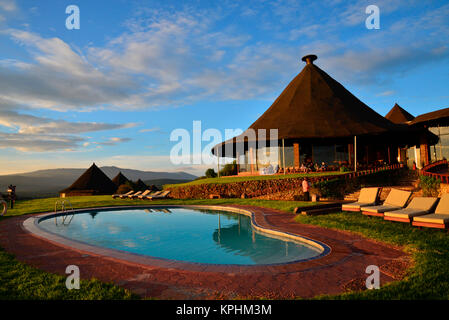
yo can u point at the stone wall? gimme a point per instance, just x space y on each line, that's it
273 189
248 189
444 188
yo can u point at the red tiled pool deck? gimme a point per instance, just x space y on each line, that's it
341 270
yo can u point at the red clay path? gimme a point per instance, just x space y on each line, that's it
341 270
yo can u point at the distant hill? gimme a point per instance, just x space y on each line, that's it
46 183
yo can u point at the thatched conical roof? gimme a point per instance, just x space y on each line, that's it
399 115
120 179
140 185
315 106
92 181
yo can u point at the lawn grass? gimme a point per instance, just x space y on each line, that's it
19 281
222 180
48 204
427 279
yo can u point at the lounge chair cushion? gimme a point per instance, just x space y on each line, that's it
397 198
382 208
356 205
368 195
162 194
154 194
433 218
144 194
443 205
417 207
422 203
405 213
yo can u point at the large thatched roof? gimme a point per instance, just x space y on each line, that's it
92 181
120 179
315 106
399 115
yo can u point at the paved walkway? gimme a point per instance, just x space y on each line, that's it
341 270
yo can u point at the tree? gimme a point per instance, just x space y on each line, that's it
229 169
210 173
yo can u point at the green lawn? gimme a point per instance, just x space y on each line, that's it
222 180
428 279
48 204
19 281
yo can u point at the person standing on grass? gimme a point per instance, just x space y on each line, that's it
305 189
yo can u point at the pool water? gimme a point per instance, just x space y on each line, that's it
183 234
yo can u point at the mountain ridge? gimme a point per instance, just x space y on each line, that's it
48 182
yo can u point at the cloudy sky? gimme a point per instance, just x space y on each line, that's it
114 90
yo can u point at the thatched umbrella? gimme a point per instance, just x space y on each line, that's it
92 182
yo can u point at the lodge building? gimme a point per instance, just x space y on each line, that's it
318 120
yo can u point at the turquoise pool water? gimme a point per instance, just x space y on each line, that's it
184 234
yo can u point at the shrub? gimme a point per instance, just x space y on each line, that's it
229 169
124 188
210 173
430 186
335 188
344 169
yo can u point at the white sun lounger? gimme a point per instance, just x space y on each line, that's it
118 195
438 219
162 195
419 206
397 199
367 197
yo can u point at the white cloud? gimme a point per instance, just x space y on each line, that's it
386 93
155 129
8 5
38 143
41 134
177 58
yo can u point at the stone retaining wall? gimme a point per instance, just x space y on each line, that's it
281 189
249 189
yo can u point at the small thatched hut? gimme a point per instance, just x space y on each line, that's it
120 179
92 182
140 185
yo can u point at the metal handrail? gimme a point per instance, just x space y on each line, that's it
64 209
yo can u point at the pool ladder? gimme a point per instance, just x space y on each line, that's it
66 212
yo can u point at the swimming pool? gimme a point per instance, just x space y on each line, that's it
184 234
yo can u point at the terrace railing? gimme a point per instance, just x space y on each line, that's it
434 170
351 175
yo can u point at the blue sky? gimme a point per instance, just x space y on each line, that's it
114 90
